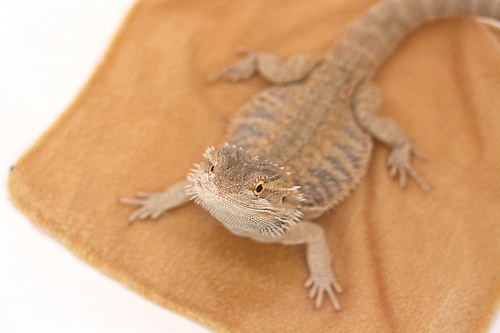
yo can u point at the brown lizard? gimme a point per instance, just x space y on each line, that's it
297 149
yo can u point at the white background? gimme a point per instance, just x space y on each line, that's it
48 50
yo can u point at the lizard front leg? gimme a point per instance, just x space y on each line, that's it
270 67
152 205
322 279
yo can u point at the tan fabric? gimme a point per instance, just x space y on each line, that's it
408 260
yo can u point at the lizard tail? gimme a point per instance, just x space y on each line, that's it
366 44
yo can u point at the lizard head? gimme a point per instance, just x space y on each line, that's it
245 192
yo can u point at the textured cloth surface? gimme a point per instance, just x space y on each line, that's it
408 260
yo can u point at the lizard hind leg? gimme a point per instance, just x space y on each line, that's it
364 105
270 67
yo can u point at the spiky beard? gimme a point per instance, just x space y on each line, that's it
256 216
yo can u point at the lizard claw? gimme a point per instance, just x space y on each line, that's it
151 205
321 284
418 154
399 163
240 70
243 51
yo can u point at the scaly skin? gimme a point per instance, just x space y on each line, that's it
297 149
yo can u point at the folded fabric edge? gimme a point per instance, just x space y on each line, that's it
91 257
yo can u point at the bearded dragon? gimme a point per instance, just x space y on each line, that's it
297 149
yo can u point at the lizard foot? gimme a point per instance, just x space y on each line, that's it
399 163
151 205
321 284
240 70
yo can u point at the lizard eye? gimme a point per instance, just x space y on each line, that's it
211 170
259 187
